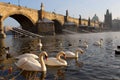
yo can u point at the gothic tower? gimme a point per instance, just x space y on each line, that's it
108 20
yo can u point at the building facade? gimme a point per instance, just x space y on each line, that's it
108 20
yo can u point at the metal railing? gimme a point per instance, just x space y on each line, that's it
25 32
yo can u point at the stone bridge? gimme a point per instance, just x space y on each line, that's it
29 18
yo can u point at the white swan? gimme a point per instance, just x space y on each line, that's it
70 54
27 55
40 45
52 61
84 45
31 64
98 43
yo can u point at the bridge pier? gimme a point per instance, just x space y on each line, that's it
2 34
2 44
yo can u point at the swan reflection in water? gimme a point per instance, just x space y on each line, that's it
75 62
60 75
33 75
56 72
79 64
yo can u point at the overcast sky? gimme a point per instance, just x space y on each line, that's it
85 8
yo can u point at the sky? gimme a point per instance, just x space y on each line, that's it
85 8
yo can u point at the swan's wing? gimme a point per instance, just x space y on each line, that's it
30 66
95 43
34 66
27 64
69 54
27 55
50 61
53 62
21 62
33 61
84 45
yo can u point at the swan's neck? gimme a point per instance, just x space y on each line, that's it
59 58
100 42
76 53
85 44
43 67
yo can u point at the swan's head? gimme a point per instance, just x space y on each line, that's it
80 50
80 40
44 53
101 39
39 40
46 57
62 53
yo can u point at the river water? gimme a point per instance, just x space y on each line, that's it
97 63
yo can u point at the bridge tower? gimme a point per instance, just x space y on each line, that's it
2 34
108 20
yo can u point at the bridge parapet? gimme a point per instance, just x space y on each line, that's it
9 9
54 16
74 20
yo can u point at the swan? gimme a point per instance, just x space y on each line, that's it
31 64
39 46
84 45
52 61
98 43
27 55
70 54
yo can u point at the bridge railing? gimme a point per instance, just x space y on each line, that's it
25 32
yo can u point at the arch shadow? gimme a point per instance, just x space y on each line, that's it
24 22
58 26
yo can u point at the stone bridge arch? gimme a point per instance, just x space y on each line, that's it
25 16
58 26
23 19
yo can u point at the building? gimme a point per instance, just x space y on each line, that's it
95 18
108 20
46 27
116 24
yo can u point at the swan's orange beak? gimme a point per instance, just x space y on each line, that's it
46 57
